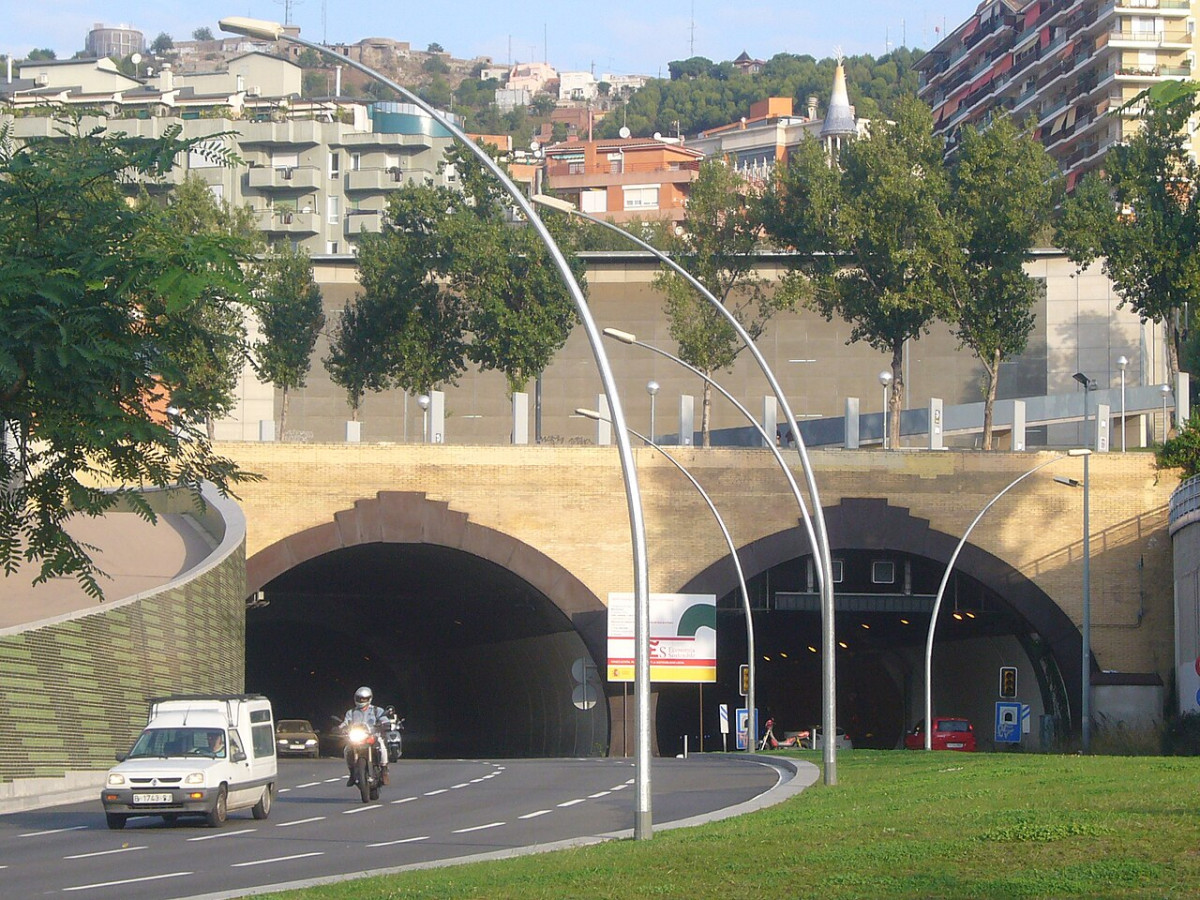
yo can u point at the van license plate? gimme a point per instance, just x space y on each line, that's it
955 746
152 798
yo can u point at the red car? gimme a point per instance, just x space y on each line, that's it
949 733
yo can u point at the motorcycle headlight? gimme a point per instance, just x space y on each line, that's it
115 779
194 778
358 734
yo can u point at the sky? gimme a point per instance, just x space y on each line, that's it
619 37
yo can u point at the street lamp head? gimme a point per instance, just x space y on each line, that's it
1122 362
651 388
553 202
1079 451
1166 391
1084 380
623 336
255 28
885 378
423 401
590 414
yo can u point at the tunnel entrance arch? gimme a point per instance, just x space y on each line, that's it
484 644
881 631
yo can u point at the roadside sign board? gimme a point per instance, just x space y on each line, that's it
724 711
743 734
683 637
1008 723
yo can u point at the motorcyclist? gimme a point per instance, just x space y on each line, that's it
364 712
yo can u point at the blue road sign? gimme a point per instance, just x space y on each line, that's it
1008 723
743 731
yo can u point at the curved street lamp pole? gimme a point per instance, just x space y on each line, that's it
752 737
821 554
643 822
937 602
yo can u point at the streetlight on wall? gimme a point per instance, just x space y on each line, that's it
1085 706
1122 362
937 602
642 824
822 558
1166 394
423 402
652 390
885 379
737 564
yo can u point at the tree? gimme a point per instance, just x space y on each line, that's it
1140 216
41 53
718 246
291 318
162 44
215 356
97 296
1004 187
874 235
434 48
202 34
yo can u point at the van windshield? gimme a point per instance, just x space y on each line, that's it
162 743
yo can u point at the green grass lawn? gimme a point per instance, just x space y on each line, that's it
898 824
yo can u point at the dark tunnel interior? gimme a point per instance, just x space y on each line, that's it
477 661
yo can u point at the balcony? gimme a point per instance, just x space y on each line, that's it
285 178
1131 38
276 220
377 179
367 221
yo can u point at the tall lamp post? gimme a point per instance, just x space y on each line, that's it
822 558
643 822
737 564
1085 706
423 402
652 390
1122 362
937 602
885 379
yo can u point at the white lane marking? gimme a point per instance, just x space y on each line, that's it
104 884
401 841
478 827
620 787
358 809
282 790
299 822
53 831
405 800
330 780
455 787
103 853
573 802
476 780
599 794
435 793
315 783
534 815
275 859
223 834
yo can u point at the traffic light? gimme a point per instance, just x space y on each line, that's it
744 680
1008 682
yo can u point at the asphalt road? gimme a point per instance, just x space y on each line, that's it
436 811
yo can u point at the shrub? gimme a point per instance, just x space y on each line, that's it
1183 450
1181 736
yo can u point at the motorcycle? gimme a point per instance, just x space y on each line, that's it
362 755
391 737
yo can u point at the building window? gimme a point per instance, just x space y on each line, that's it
331 247
837 571
883 571
334 210
355 162
641 197
335 165
593 201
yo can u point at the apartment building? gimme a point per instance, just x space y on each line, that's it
318 173
1064 66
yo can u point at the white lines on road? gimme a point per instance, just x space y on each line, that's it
410 840
435 793
103 853
404 800
275 859
53 831
534 815
358 809
317 783
455 787
104 884
299 822
330 780
572 802
476 780
223 834
599 794
478 827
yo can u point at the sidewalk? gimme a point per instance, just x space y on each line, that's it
38 793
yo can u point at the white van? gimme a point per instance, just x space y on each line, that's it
200 754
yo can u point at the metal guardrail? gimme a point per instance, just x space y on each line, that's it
1185 504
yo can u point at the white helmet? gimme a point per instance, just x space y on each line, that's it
363 697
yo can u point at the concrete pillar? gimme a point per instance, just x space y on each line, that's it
266 429
1018 426
603 425
520 417
936 436
437 417
1182 399
1103 417
770 421
687 420
353 432
851 441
